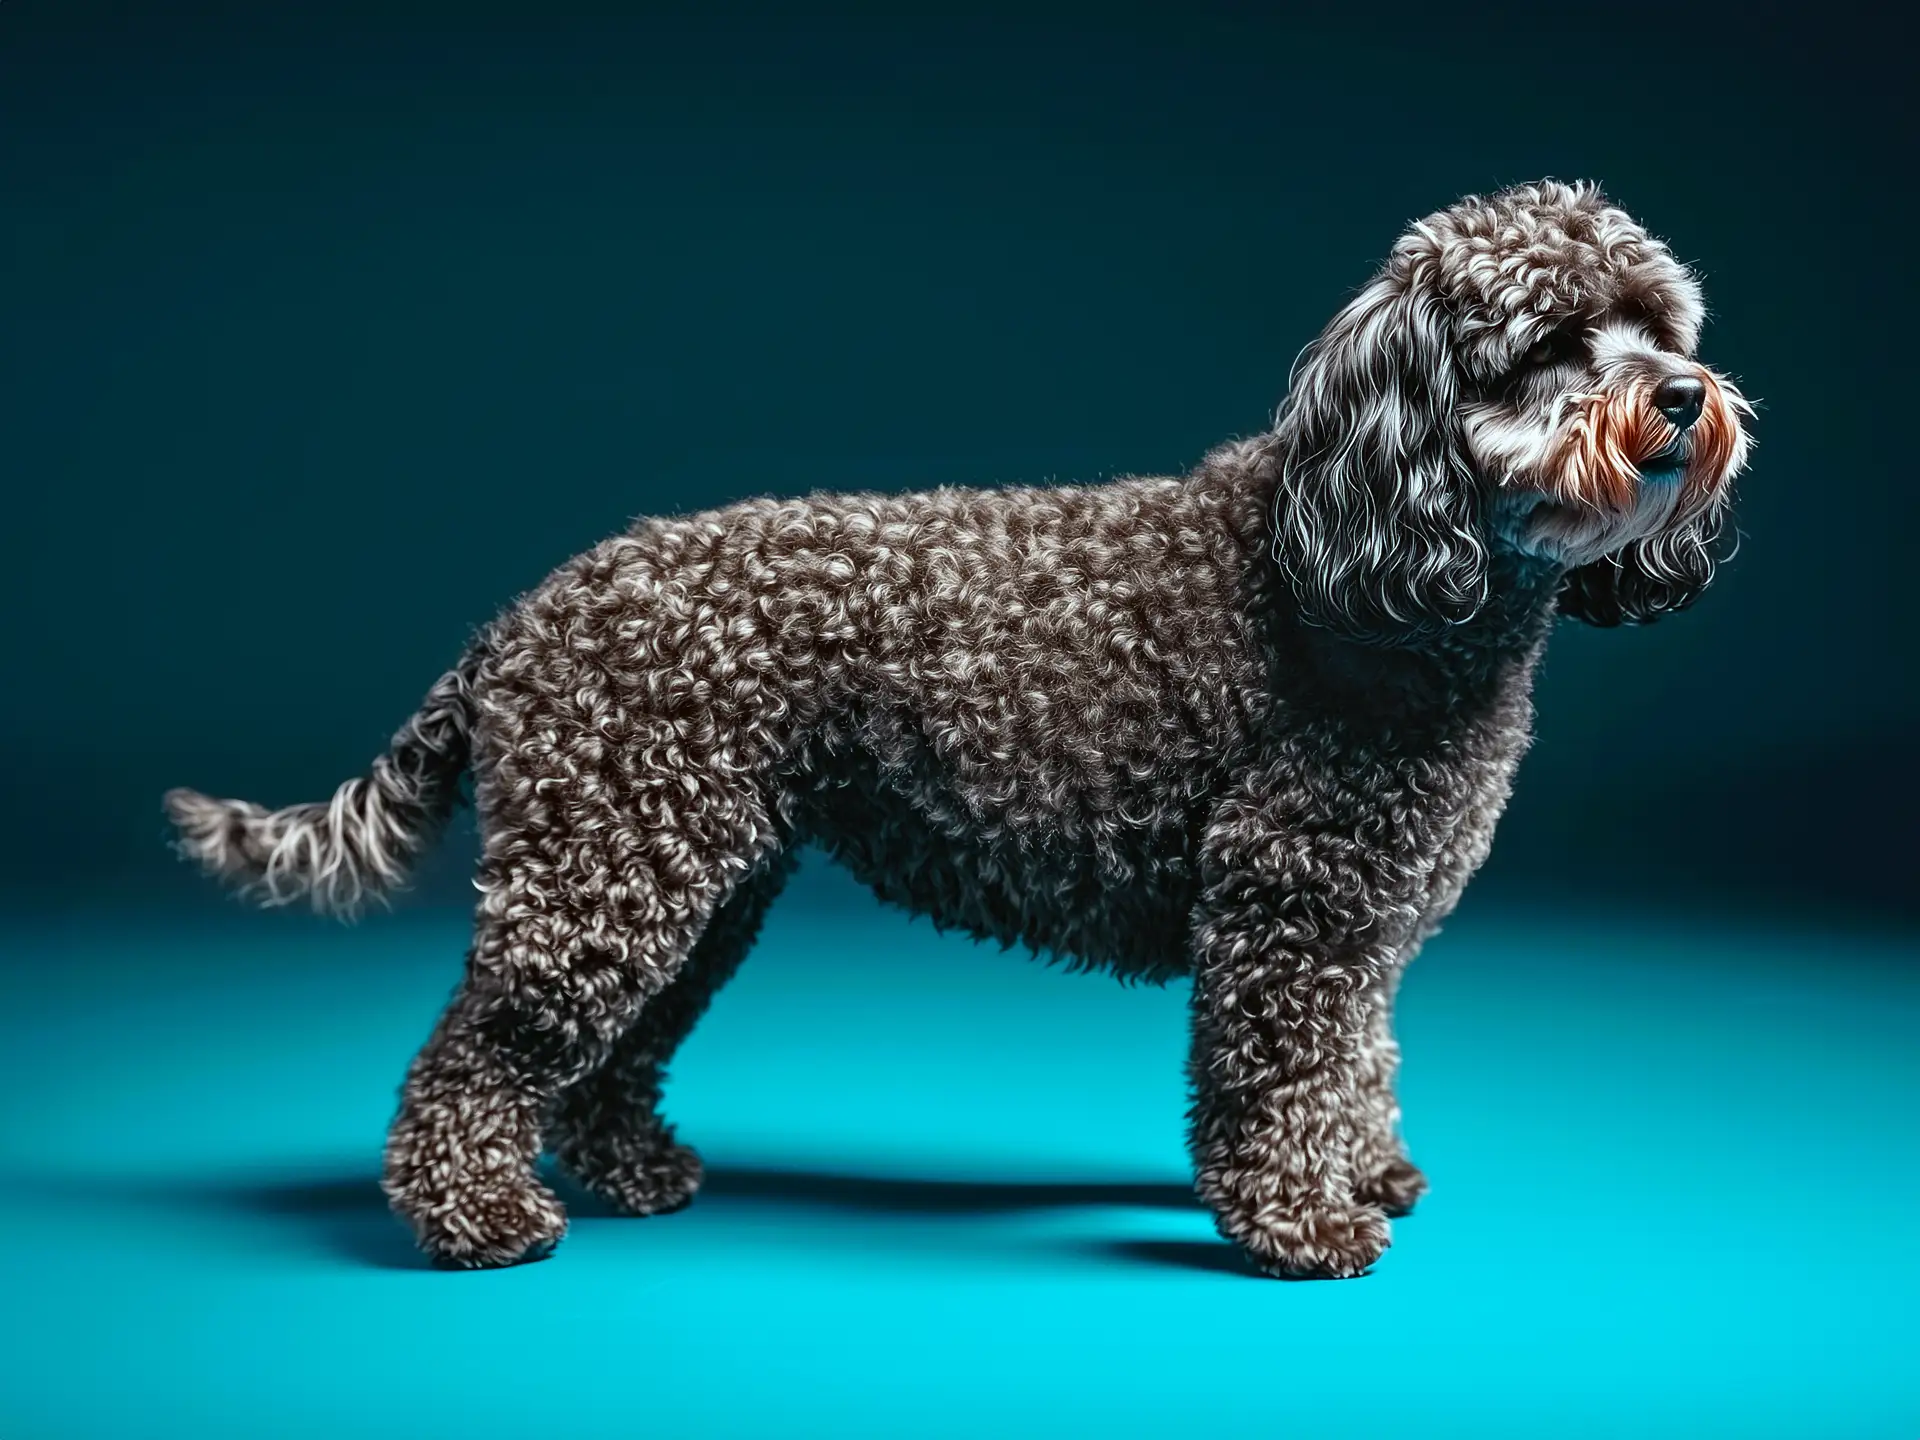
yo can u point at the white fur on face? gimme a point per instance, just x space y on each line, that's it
1518 439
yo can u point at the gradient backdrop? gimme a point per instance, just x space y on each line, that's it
325 331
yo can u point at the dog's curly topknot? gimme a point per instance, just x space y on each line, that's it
1253 724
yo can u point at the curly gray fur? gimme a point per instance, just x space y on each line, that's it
1253 724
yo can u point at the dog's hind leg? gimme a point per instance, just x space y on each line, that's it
584 918
607 1131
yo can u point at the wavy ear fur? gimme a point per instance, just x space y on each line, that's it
1647 579
1376 522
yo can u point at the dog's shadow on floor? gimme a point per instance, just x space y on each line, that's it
906 1195
347 1214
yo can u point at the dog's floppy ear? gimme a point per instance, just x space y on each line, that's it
1646 579
1376 514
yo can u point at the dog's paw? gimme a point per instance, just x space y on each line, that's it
651 1181
1396 1189
508 1224
1314 1244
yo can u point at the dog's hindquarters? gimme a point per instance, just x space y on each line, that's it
361 843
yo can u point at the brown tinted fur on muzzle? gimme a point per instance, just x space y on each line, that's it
1613 433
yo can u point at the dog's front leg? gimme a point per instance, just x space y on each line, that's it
1382 1173
1278 1043
1291 940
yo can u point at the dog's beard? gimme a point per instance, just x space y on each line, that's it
1607 469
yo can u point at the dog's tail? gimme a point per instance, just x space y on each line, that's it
339 854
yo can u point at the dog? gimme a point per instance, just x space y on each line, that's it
1253 724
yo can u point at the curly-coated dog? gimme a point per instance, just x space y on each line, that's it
1253 724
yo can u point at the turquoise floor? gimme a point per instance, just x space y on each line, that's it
1676 1171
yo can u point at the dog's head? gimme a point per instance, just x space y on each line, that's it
1520 377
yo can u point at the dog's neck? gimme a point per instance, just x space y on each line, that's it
1479 668
1471 670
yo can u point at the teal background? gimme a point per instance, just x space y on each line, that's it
325 330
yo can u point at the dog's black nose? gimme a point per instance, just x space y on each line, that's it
1679 398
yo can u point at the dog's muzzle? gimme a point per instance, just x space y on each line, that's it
1673 430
